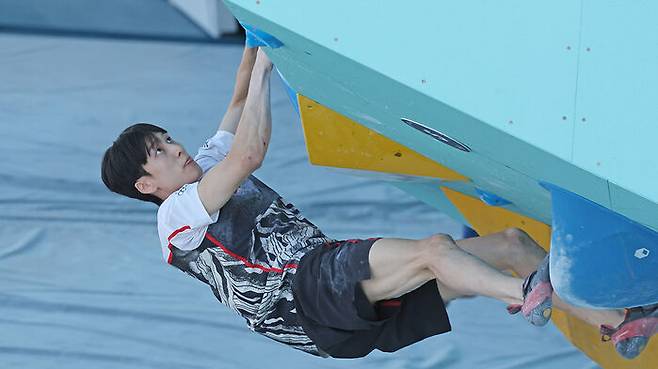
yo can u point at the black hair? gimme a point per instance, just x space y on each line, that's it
123 162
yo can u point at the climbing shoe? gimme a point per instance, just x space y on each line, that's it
633 334
537 296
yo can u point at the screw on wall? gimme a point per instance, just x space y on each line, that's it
642 253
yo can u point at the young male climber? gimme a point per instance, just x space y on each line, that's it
289 281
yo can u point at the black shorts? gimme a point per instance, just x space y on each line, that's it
337 316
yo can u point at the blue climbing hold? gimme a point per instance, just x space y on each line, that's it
291 93
468 232
600 258
255 37
491 199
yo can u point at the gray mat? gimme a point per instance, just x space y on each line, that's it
117 18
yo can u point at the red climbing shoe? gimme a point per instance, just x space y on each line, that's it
633 334
537 296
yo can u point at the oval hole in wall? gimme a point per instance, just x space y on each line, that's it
436 135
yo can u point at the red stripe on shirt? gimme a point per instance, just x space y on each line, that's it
171 254
172 235
179 230
390 303
245 261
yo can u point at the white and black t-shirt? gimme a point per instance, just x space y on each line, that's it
182 219
247 253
